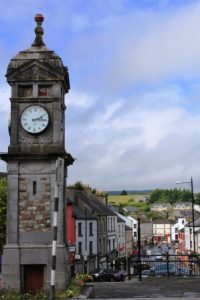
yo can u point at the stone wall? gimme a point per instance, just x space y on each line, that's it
34 210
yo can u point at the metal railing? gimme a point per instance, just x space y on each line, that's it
164 265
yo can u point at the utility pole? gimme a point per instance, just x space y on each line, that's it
139 251
192 201
86 241
58 182
193 227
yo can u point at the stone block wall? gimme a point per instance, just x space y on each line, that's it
34 210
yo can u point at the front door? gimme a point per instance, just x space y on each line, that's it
33 278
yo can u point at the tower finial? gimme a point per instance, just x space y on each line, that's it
39 31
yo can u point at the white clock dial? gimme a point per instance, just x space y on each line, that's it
34 119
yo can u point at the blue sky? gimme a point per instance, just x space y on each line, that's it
133 111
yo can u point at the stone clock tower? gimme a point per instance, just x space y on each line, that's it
39 82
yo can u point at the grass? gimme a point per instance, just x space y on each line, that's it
125 199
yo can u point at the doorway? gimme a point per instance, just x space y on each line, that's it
33 278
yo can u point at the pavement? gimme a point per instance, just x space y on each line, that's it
159 288
150 288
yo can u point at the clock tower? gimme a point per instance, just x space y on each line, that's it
39 82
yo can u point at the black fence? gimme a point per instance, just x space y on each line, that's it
163 265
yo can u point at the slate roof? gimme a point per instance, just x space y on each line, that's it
96 204
120 219
163 222
79 213
196 223
127 228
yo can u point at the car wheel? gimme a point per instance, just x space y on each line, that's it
123 278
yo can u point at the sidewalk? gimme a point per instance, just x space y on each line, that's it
150 288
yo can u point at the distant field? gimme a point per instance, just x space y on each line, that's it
125 199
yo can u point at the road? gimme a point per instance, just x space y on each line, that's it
181 287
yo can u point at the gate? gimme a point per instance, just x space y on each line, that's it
33 278
164 265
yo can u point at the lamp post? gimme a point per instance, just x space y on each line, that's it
192 195
139 251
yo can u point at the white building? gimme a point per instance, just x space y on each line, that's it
177 227
132 223
189 238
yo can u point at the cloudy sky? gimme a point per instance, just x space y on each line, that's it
133 111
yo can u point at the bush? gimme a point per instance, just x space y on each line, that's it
73 290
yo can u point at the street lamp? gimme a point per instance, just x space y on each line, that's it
192 195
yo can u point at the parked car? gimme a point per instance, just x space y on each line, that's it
158 256
119 275
102 275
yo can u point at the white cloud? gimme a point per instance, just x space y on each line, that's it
4 97
140 143
167 45
79 100
133 109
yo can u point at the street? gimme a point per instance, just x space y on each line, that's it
184 287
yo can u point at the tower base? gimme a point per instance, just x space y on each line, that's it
28 268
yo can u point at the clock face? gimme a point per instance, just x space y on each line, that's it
34 119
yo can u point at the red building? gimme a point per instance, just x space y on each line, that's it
70 234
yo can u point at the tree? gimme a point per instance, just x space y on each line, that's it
170 196
124 192
3 205
197 199
78 186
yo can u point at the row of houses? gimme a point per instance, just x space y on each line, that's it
165 207
96 235
182 233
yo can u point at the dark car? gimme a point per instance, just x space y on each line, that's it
102 275
119 275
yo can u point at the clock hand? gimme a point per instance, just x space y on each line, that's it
39 118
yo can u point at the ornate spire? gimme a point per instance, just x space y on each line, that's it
39 31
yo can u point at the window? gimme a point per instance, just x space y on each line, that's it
135 226
99 225
113 244
135 234
34 187
25 90
79 229
91 228
190 230
90 248
44 90
123 230
109 246
100 245
176 229
79 248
